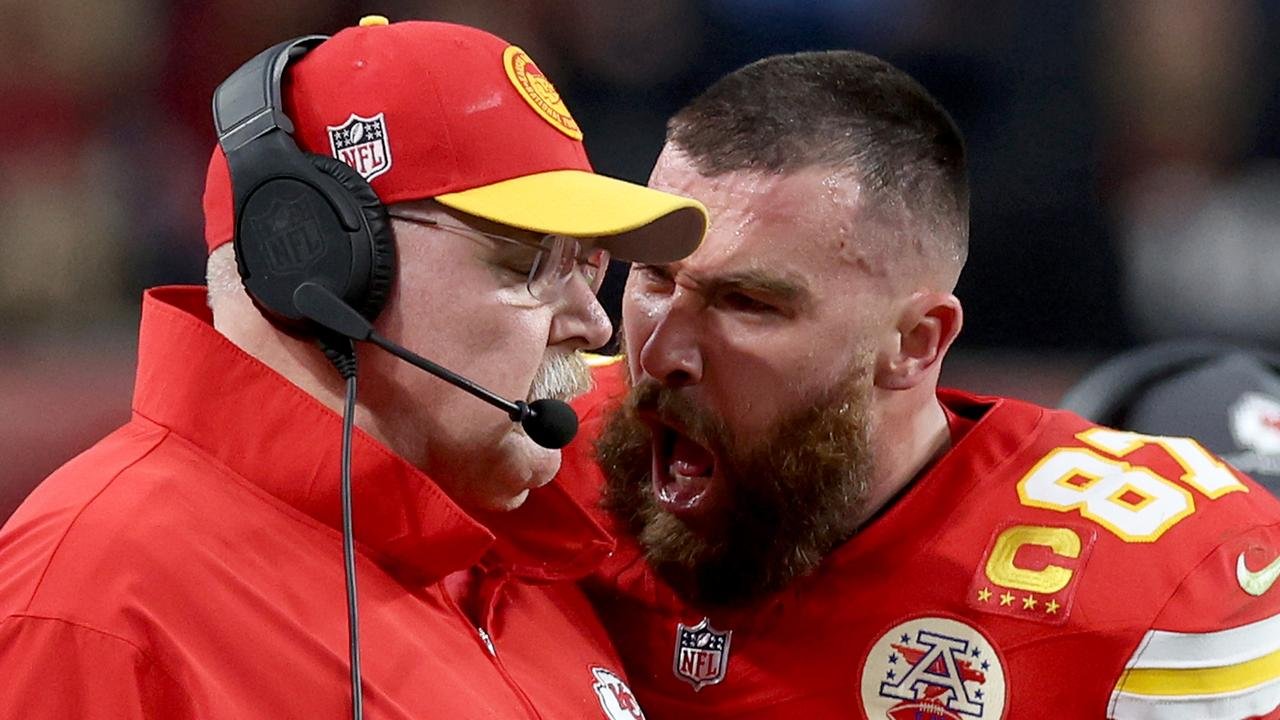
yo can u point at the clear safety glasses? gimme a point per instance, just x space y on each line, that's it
558 258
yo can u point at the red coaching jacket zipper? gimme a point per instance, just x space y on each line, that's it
484 594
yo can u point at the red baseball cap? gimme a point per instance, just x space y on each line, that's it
443 111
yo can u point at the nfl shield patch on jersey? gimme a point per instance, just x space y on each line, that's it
932 668
702 654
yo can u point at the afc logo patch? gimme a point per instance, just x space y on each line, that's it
361 142
615 697
932 668
702 654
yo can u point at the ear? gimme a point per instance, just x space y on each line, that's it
927 323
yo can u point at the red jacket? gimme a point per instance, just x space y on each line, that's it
190 566
1043 568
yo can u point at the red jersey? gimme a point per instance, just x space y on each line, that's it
190 566
1044 567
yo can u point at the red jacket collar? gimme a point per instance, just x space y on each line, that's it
266 430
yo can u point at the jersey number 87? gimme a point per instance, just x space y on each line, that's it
1132 501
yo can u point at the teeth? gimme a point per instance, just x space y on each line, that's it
680 478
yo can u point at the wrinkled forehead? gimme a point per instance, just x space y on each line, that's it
810 216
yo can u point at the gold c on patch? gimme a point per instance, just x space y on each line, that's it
1031 571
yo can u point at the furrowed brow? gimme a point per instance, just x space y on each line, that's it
790 289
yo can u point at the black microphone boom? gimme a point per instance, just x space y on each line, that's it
548 422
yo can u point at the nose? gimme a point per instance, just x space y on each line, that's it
581 321
672 354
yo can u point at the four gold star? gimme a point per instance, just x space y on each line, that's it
1028 603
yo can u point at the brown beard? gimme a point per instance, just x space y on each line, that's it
792 497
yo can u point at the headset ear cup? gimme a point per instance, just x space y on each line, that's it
382 269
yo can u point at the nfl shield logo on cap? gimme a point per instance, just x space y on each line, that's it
362 143
702 654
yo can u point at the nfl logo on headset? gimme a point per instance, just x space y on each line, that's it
361 142
702 654
292 237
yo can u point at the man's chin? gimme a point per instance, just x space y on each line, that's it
512 470
503 503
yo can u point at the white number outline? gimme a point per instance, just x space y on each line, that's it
1107 482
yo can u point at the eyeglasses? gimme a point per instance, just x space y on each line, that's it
558 258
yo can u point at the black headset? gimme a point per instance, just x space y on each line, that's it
1107 393
299 217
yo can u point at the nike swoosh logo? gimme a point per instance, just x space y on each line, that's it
1256 583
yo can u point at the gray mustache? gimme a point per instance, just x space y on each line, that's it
561 377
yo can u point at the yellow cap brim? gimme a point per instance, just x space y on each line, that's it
631 221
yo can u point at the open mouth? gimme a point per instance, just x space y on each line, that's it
684 473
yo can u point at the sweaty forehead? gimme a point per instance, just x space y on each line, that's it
813 212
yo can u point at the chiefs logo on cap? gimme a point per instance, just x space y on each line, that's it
538 91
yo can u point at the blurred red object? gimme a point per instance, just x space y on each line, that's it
60 396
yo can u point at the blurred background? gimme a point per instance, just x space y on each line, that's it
1123 161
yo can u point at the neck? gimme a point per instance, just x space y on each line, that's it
909 433
301 362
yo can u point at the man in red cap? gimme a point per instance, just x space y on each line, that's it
190 565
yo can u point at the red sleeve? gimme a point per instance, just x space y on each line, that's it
1214 649
53 670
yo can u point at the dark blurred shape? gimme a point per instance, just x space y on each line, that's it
1211 245
1225 396
1183 86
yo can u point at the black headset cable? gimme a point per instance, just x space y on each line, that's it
341 352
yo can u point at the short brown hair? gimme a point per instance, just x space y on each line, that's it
841 109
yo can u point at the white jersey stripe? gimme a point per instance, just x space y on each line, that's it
1253 702
1173 650
1202 681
